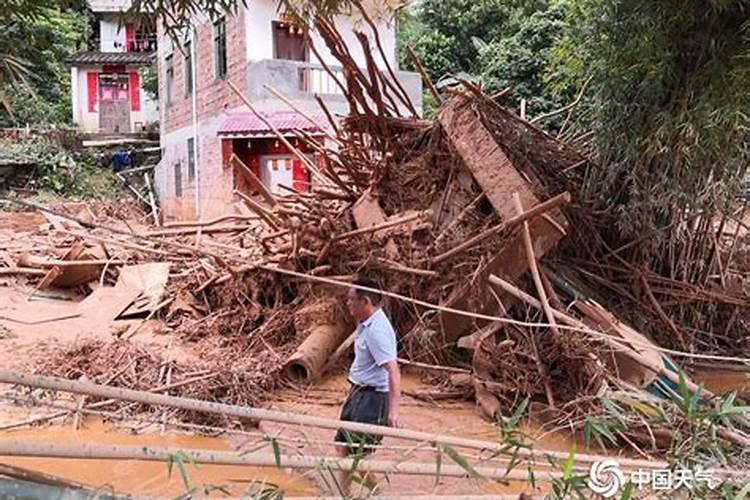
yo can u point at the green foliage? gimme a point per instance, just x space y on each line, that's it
150 80
179 458
671 89
34 79
502 44
50 168
520 59
460 460
570 485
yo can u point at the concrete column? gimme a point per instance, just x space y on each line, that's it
74 98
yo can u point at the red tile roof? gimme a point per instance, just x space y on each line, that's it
250 124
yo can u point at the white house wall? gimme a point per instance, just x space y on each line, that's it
88 121
261 13
111 33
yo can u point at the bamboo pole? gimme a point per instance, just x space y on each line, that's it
385 225
423 73
531 261
553 202
303 158
264 458
152 200
259 209
260 414
307 117
252 179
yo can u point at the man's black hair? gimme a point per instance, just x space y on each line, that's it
374 297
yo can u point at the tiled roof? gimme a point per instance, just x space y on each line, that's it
250 124
110 58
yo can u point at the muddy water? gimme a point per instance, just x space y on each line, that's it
140 477
724 381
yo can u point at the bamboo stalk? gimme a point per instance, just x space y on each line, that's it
253 179
531 261
198 229
303 158
384 225
553 202
307 117
259 209
100 404
93 451
91 389
6 271
196 223
152 200
423 73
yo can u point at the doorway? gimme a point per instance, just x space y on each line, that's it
114 103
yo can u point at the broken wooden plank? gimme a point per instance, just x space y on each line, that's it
367 213
68 277
484 158
510 263
150 280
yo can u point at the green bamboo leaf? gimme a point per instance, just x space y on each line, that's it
438 465
627 492
183 472
461 461
532 477
518 413
514 460
743 493
276 451
568 464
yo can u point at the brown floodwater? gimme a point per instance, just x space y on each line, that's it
142 477
323 399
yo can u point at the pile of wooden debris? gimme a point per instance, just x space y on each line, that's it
452 217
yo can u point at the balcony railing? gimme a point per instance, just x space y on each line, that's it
319 81
301 81
140 43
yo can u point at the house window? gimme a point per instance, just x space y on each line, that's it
169 65
220 47
288 42
191 159
178 180
188 64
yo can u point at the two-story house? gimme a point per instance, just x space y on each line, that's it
106 87
203 122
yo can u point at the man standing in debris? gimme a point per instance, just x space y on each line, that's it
374 375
